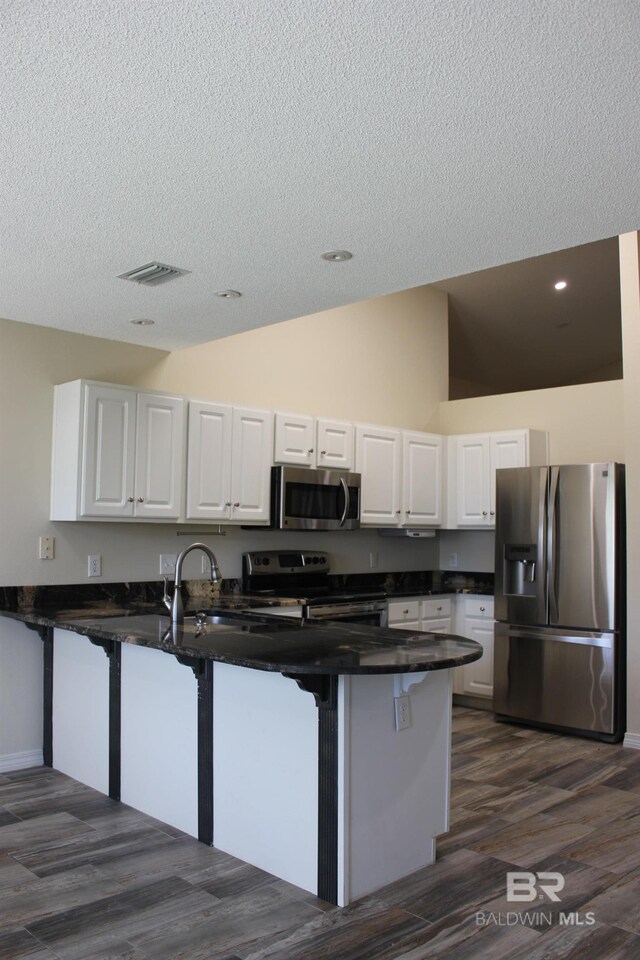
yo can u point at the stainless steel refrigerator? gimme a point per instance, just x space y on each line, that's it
559 653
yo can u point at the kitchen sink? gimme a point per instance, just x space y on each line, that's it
207 622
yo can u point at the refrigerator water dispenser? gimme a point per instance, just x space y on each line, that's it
519 574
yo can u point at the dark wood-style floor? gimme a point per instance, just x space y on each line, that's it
84 878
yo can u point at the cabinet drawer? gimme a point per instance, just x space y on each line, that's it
437 625
437 607
401 610
478 607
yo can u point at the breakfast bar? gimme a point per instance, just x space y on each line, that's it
278 741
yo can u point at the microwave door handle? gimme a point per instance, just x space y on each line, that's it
345 487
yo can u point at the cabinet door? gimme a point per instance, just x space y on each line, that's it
251 447
334 444
294 439
108 448
472 480
378 460
209 461
477 678
159 456
421 479
507 450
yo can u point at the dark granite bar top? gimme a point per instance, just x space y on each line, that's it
262 642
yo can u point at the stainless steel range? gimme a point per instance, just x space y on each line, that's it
305 574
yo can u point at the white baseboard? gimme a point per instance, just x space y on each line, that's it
20 761
632 740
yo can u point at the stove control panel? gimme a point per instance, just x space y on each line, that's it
275 562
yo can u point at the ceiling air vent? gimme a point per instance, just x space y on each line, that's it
153 273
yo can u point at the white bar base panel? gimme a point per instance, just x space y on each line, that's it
159 746
393 786
80 710
632 740
21 761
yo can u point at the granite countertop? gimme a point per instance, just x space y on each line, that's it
258 641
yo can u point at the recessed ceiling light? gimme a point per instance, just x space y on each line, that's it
143 322
336 256
560 285
228 294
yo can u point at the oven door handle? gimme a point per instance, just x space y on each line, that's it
345 487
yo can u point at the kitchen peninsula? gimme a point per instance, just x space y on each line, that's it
273 739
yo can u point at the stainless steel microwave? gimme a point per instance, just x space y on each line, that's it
303 499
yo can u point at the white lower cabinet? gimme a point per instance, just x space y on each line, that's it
474 619
404 614
435 615
423 614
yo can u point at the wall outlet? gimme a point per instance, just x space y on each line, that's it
453 559
94 565
168 563
46 548
373 559
403 712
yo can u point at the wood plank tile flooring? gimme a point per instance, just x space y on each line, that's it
84 878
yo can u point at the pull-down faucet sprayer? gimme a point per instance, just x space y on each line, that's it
174 603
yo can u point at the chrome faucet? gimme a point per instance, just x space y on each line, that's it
174 603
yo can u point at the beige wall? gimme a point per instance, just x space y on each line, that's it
585 422
379 361
392 369
630 301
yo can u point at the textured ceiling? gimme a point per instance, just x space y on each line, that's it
239 141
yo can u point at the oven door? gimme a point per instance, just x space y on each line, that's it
373 613
304 499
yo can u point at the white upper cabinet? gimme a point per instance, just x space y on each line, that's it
228 463
117 453
209 461
474 460
307 442
107 453
422 470
401 477
379 461
159 457
334 444
294 440
251 447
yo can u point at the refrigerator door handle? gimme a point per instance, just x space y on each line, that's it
551 545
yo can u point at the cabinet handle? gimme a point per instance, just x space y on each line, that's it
405 612
323 453
140 499
227 503
310 451
484 513
398 512
493 513
438 608
130 499
481 609
237 503
408 512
